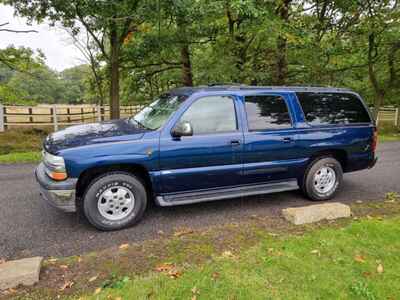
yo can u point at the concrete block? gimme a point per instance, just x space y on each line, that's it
315 213
24 271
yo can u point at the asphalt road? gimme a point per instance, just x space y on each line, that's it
29 227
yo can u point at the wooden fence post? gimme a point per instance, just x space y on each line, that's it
2 127
55 121
396 117
98 109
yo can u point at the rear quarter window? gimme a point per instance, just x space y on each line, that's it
332 108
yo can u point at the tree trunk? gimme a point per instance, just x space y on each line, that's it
187 77
281 71
379 93
186 65
114 69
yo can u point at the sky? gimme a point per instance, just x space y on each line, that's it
54 42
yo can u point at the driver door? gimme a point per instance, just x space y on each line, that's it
212 156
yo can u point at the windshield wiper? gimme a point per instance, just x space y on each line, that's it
140 124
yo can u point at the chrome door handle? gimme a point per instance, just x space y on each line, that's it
287 139
235 142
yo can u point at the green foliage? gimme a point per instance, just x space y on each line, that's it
163 44
25 79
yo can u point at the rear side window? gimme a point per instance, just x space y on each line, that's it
266 112
335 108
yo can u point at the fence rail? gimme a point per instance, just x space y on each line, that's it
389 114
57 115
62 115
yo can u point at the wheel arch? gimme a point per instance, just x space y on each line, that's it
340 155
135 169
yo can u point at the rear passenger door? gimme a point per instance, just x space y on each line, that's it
269 141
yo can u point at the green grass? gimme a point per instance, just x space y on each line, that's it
21 145
21 140
389 137
317 265
23 157
388 133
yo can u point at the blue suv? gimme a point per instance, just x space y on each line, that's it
208 143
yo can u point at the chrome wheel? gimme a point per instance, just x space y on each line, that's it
324 180
116 203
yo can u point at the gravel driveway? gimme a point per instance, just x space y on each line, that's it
29 227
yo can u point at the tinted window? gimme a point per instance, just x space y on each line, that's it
267 112
211 115
335 108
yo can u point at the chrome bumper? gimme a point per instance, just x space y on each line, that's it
58 194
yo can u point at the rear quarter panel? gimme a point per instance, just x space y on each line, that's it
354 139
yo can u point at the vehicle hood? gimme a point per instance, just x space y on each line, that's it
95 133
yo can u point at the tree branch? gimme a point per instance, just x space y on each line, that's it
14 30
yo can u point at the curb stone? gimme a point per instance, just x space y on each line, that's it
315 213
20 272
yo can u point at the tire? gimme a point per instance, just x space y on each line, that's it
114 201
322 179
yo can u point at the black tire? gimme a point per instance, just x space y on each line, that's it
308 185
107 181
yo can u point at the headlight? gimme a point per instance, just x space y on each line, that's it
55 166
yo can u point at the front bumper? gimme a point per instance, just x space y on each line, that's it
58 194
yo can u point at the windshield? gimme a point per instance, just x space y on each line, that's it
157 113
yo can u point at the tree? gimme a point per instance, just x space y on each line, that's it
108 22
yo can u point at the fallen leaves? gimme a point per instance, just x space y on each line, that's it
183 232
359 258
174 273
64 267
316 251
170 269
67 285
228 254
91 279
379 269
215 275
123 246
97 291
164 267
52 260
195 292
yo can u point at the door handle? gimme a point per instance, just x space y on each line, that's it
287 139
235 142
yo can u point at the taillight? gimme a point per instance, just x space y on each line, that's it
374 140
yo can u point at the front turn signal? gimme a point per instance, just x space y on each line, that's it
57 175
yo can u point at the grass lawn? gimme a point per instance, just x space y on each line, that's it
262 258
359 261
389 137
20 157
21 146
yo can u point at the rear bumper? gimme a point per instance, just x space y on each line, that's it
373 163
58 194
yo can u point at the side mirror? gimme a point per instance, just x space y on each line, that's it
183 128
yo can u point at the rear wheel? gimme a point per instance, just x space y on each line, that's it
322 179
114 201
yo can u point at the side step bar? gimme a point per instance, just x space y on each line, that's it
225 193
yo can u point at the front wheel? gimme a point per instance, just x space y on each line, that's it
114 201
322 179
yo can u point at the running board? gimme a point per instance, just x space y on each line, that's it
225 193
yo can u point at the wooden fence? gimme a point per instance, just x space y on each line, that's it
389 115
57 115
63 115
